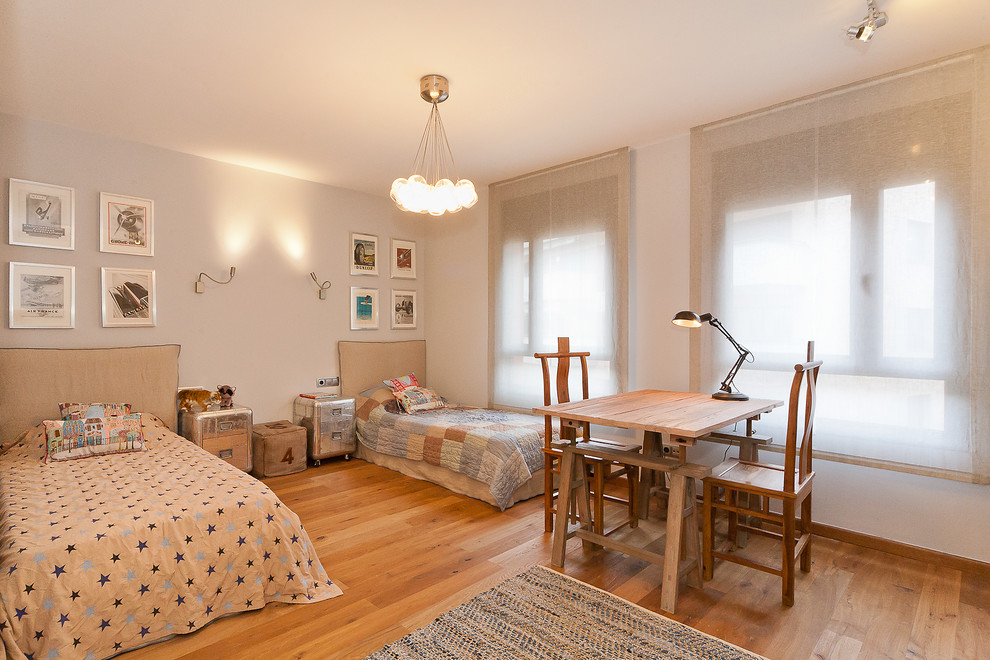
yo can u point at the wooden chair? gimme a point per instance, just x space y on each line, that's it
790 485
600 471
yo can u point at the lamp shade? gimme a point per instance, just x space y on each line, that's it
686 320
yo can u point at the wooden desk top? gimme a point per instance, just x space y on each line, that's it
681 414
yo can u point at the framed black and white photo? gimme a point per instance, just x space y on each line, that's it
42 215
403 309
42 296
364 308
364 254
127 225
403 259
129 297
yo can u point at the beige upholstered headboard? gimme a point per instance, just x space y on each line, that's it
367 363
33 381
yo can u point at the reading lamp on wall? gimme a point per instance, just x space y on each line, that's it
323 287
692 320
201 285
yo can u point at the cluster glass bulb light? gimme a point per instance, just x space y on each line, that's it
431 188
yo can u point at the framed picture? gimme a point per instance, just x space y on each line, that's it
129 297
42 296
42 215
403 309
364 308
127 225
364 254
403 259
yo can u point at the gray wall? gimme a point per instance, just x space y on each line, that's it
267 332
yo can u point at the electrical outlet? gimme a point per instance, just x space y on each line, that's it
330 381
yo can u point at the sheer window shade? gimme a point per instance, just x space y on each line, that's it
558 263
858 218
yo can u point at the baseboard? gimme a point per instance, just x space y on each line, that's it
956 562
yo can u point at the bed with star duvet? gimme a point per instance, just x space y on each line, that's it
104 554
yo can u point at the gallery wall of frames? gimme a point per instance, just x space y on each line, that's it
43 294
364 300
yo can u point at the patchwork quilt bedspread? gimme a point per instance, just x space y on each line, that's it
501 449
104 554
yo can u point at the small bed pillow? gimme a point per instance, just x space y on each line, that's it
415 399
95 436
399 384
87 410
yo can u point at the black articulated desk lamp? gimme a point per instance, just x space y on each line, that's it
692 320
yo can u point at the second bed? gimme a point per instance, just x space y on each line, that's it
491 455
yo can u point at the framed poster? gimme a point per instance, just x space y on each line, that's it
403 309
403 259
364 308
42 296
42 215
364 254
129 297
127 225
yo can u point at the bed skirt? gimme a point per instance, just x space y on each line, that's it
455 481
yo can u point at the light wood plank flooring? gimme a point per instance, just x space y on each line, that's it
404 551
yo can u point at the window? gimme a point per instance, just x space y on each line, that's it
558 264
849 219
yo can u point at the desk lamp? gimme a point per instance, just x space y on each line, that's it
692 320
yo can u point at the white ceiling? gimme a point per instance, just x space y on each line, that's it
329 91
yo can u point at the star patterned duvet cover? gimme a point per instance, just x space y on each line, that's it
104 554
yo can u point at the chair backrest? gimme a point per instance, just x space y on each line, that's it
563 356
798 450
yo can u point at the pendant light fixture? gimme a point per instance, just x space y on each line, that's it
431 188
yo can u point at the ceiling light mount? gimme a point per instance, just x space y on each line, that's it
434 88
431 188
864 30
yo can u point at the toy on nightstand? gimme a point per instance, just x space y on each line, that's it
226 393
202 398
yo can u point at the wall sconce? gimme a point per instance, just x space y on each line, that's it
323 287
692 320
201 285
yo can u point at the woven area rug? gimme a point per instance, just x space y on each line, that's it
544 614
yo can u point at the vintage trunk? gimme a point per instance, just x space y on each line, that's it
279 448
330 426
224 432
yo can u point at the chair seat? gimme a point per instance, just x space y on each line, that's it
757 477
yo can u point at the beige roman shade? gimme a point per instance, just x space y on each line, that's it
860 218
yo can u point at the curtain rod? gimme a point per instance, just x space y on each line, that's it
843 89
573 163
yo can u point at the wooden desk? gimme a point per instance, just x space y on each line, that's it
672 419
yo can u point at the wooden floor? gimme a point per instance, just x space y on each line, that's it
403 551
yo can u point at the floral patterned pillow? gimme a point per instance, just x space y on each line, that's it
93 436
415 399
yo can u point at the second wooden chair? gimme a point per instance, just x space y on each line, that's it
790 485
601 471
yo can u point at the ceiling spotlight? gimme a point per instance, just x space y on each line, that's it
864 29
